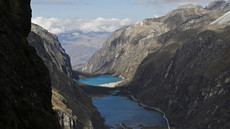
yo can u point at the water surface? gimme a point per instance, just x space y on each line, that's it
118 110
102 79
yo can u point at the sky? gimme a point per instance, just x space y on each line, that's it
59 16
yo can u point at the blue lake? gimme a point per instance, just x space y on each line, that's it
118 110
102 79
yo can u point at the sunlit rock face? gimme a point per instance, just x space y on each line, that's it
126 48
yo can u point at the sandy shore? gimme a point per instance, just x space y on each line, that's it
111 84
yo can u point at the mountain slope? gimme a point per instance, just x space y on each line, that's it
25 88
73 106
187 82
225 19
127 47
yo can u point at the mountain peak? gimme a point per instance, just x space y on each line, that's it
215 4
189 6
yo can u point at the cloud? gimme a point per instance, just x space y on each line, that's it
58 25
53 25
174 2
53 3
103 25
77 2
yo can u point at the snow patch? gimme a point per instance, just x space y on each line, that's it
225 19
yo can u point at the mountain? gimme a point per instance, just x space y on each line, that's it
81 46
178 63
73 106
188 78
125 49
219 5
25 87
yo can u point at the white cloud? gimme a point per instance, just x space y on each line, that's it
101 24
61 3
163 2
53 3
58 25
156 16
53 25
76 34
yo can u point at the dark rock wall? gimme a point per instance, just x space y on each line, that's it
25 88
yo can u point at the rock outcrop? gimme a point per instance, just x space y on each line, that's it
122 53
25 88
73 106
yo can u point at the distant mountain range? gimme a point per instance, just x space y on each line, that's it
81 46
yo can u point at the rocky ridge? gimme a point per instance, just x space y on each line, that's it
127 47
25 87
73 106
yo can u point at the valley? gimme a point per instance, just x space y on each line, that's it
166 72
177 63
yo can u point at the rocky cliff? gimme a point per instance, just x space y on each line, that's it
122 53
25 88
74 107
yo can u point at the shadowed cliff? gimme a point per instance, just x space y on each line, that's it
25 88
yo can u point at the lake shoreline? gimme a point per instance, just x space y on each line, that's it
125 93
151 108
113 84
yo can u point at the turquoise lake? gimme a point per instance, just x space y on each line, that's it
102 79
118 110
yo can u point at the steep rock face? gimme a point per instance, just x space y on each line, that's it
189 82
127 47
73 106
25 88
